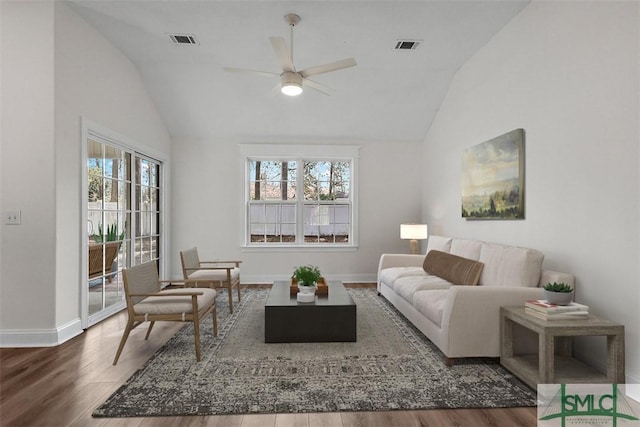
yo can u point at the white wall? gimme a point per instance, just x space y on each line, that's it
27 266
208 210
95 81
55 69
566 72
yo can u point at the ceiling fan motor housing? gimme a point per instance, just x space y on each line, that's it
290 81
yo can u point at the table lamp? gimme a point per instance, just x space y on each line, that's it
413 232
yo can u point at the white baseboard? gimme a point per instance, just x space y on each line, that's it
346 278
601 365
40 337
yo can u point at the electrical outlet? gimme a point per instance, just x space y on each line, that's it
12 217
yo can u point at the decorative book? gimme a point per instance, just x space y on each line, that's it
543 306
567 315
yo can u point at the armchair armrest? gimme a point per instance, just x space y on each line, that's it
228 267
172 294
234 262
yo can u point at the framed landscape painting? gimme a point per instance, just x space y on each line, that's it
493 178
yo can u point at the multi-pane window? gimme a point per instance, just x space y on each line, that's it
147 211
299 201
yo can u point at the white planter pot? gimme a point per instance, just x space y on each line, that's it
560 298
306 293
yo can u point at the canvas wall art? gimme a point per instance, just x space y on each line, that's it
493 178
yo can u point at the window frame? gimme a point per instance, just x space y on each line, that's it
300 154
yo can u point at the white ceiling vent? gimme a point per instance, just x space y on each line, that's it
407 44
183 38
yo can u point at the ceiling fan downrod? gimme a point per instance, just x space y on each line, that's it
292 20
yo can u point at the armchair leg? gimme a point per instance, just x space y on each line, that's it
230 292
214 315
238 286
123 340
149 330
196 333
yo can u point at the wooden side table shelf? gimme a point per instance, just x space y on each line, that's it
547 367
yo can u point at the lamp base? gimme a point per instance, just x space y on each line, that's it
413 246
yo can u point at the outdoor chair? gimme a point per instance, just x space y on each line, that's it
218 274
147 302
96 252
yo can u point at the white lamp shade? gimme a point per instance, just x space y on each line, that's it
413 231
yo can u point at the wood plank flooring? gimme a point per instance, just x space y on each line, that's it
61 386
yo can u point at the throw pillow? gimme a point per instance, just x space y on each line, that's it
453 268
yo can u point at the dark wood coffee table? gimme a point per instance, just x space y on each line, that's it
331 318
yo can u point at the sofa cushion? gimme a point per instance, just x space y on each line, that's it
388 276
510 265
466 248
439 243
453 268
431 304
406 287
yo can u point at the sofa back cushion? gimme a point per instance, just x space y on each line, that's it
439 243
510 265
466 248
453 268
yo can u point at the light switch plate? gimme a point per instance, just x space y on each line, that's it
13 217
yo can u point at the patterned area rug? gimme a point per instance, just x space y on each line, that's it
391 366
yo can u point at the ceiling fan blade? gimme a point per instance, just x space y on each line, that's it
255 72
316 86
326 68
283 54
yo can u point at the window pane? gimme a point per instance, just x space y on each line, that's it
257 232
271 180
95 187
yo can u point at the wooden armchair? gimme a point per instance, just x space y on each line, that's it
217 274
147 302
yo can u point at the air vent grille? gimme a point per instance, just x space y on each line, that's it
183 38
407 44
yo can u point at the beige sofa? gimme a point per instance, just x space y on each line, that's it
463 320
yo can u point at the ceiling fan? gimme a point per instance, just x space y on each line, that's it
291 80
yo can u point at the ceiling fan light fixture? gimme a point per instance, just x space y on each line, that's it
291 83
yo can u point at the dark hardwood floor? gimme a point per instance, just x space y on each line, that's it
61 386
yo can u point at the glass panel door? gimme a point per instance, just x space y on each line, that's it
123 217
108 220
147 211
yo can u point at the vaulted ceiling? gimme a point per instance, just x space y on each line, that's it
391 95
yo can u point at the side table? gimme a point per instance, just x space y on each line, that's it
547 367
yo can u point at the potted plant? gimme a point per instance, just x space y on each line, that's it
558 293
306 277
110 236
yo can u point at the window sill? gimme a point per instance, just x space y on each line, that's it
297 248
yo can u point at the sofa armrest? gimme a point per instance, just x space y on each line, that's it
472 317
399 260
